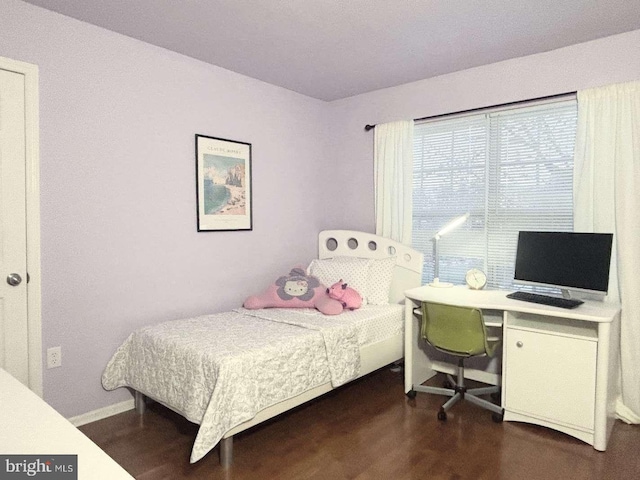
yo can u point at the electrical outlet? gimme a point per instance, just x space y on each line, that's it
54 357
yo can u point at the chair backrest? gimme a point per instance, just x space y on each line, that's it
452 329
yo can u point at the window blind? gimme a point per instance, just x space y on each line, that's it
511 169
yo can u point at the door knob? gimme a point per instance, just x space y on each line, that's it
14 279
519 344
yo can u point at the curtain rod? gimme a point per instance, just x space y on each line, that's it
501 105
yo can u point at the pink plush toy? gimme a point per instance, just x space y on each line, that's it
346 295
295 290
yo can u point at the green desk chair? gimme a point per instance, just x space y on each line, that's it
458 331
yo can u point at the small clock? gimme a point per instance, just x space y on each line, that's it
476 279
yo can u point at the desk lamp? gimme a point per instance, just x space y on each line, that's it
456 222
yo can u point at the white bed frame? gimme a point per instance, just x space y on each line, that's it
335 243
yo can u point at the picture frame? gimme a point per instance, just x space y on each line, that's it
223 184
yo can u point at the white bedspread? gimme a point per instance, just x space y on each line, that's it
340 338
220 370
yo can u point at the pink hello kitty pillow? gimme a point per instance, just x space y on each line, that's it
295 290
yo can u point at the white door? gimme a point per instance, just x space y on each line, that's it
14 331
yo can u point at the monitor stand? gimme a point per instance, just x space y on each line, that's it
566 293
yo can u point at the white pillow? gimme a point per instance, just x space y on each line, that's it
354 273
380 277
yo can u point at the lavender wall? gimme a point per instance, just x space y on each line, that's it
610 60
119 241
117 121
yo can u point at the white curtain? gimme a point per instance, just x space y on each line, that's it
607 199
393 171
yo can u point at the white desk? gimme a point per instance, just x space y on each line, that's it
559 366
29 426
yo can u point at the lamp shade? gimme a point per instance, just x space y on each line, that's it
456 222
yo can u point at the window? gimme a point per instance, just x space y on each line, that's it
511 169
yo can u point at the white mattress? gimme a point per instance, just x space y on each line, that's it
221 370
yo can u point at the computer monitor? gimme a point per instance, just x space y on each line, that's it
568 260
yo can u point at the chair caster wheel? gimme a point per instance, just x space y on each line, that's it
497 417
447 384
442 416
411 394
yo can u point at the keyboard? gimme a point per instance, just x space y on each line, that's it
545 299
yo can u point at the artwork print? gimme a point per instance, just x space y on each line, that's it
223 184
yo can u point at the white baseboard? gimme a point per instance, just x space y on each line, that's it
101 413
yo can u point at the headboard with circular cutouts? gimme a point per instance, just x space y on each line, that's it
349 243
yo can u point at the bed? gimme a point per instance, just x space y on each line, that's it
230 371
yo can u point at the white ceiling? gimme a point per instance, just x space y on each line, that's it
331 49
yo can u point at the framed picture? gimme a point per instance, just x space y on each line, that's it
223 184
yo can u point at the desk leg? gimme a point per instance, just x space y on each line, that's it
606 385
408 347
417 365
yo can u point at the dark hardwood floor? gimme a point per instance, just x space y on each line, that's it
368 430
